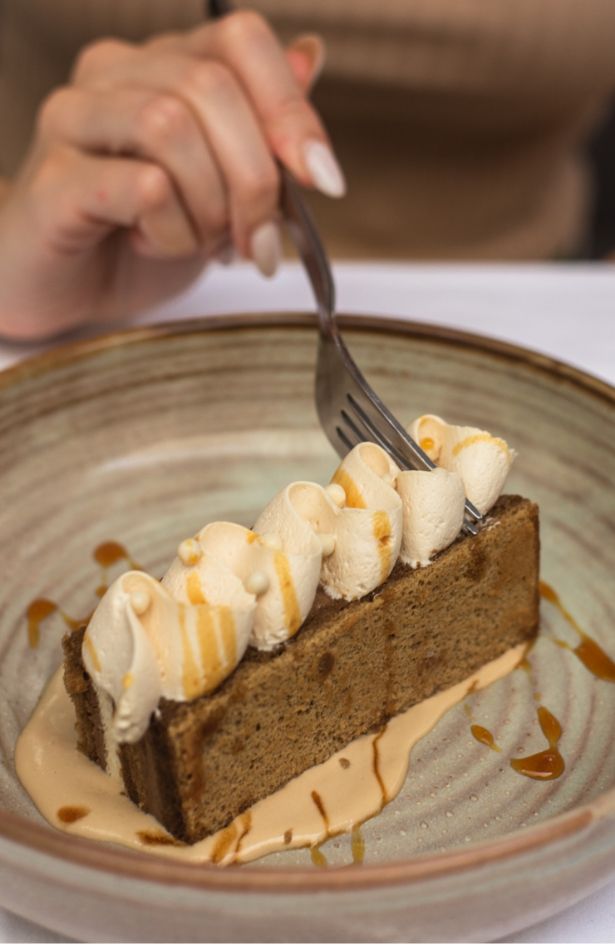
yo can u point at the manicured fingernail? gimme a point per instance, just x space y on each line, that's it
266 247
324 170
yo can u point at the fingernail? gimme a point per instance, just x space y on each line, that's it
266 247
324 170
312 49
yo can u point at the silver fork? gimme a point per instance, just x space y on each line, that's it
349 410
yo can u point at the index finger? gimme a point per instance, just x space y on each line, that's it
246 44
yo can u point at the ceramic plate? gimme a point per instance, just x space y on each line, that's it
143 436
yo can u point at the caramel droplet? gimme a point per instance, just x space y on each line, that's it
37 611
549 763
109 553
71 813
485 737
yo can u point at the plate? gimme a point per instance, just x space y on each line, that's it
142 436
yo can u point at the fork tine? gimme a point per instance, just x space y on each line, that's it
376 435
359 434
345 440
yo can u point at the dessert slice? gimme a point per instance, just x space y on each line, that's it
200 725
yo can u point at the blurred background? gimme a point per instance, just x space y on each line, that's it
467 129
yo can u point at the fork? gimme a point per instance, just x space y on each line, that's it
349 410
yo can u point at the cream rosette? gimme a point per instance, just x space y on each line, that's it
481 460
433 506
368 529
142 644
282 578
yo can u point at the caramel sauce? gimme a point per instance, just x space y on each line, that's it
549 763
321 808
354 500
345 763
357 845
152 838
38 610
288 835
110 553
106 554
318 858
245 830
485 737
376 768
68 814
591 655
224 843
42 608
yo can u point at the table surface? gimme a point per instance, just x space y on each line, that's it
565 311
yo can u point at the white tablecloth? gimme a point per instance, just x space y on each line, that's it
566 311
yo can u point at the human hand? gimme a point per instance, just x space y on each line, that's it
156 158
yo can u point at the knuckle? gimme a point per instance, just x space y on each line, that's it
96 56
209 78
52 110
153 188
243 26
53 173
260 185
161 119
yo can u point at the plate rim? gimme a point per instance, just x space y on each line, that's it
78 851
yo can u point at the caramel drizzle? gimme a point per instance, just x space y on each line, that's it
480 438
354 500
321 808
381 526
591 655
357 845
106 554
318 857
292 612
548 764
39 610
376 769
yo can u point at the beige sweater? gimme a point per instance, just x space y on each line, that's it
460 123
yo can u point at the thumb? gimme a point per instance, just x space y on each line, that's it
306 56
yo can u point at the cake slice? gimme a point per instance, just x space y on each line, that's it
354 664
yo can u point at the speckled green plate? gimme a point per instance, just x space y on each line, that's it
144 435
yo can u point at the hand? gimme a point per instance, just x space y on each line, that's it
156 158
